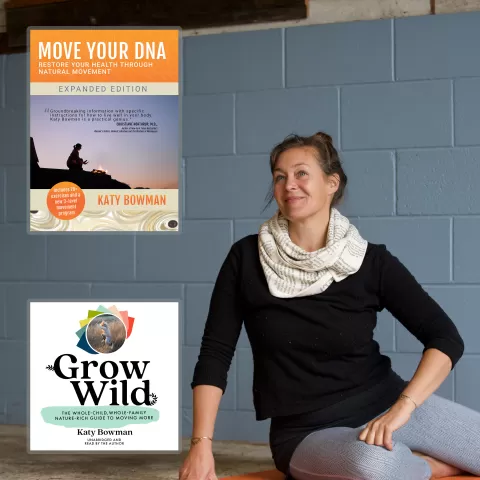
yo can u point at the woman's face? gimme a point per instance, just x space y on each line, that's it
301 188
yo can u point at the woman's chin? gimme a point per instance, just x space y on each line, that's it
295 214
300 213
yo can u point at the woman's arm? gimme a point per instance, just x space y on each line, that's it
432 371
420 314
222 329
434 367
206 400
199 463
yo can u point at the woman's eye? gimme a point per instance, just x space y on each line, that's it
277 178
301 172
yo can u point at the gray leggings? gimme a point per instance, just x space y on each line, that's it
440 428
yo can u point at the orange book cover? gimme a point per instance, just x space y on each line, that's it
104 128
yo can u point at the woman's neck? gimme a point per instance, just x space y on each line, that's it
310 234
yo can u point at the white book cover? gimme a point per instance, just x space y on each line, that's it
104 376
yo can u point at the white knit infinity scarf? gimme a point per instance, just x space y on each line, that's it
293 272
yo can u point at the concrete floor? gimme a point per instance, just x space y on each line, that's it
231 458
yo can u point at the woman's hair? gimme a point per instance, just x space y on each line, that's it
322 145
77 146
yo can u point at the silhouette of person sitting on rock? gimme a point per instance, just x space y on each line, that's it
74 161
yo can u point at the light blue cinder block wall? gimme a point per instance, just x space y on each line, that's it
401 100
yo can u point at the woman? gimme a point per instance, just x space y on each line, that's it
74 162
308 288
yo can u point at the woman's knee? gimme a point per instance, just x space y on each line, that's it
340 453
374 462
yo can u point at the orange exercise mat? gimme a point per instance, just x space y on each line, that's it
276 475
267 475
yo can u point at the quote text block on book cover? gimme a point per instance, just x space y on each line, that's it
104 127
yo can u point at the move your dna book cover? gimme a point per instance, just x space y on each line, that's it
103 129
103 377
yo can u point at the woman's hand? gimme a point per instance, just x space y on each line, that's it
199 464
379 431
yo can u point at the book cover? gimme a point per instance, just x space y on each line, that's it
103 377
104 130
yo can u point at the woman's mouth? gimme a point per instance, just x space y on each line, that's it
293 200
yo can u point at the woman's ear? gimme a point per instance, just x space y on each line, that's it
333 183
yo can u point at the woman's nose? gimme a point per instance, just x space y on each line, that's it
290 183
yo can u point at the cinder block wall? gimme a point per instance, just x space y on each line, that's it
401 100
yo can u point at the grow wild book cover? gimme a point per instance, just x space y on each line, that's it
104 377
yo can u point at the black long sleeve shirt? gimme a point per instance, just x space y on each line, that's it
312 352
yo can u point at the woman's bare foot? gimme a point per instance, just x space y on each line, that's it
439 469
